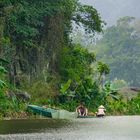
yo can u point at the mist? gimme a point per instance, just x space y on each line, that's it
111 10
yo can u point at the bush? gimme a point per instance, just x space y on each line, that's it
134 106
42 92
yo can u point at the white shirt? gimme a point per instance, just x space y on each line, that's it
101 111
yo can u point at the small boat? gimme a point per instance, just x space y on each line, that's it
86 116
52 113
64 114
47 112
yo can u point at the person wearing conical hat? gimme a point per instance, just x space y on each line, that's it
101 111
101 107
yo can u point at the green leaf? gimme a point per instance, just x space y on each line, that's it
65 87
2 70
2 84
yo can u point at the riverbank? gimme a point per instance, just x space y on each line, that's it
29 116
21 116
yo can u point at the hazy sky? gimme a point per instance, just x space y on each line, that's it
111 10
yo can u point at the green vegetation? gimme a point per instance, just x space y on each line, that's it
38 56
8 106
120 49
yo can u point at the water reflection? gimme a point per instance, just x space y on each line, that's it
30 126
109 128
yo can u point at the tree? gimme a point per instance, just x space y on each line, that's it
103 70
119 48
76 63
38 31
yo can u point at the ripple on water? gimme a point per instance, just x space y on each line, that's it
108 128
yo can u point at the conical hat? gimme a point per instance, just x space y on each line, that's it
101 106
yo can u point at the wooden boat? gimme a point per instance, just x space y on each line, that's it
47 112
64 114
52 113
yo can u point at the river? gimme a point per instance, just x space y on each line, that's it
108 128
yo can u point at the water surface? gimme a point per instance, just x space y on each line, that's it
108 128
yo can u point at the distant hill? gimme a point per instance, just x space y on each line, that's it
120 49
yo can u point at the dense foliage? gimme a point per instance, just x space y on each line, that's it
34 32
37 55
35 47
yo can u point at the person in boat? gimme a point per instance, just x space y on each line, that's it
101 111
82 110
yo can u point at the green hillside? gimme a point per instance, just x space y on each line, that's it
120 49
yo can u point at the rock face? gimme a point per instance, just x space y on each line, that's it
135 89
24 96
20 95
129 92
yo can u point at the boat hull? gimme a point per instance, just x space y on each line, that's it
52 113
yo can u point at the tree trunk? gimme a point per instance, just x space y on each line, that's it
54 41
2 22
